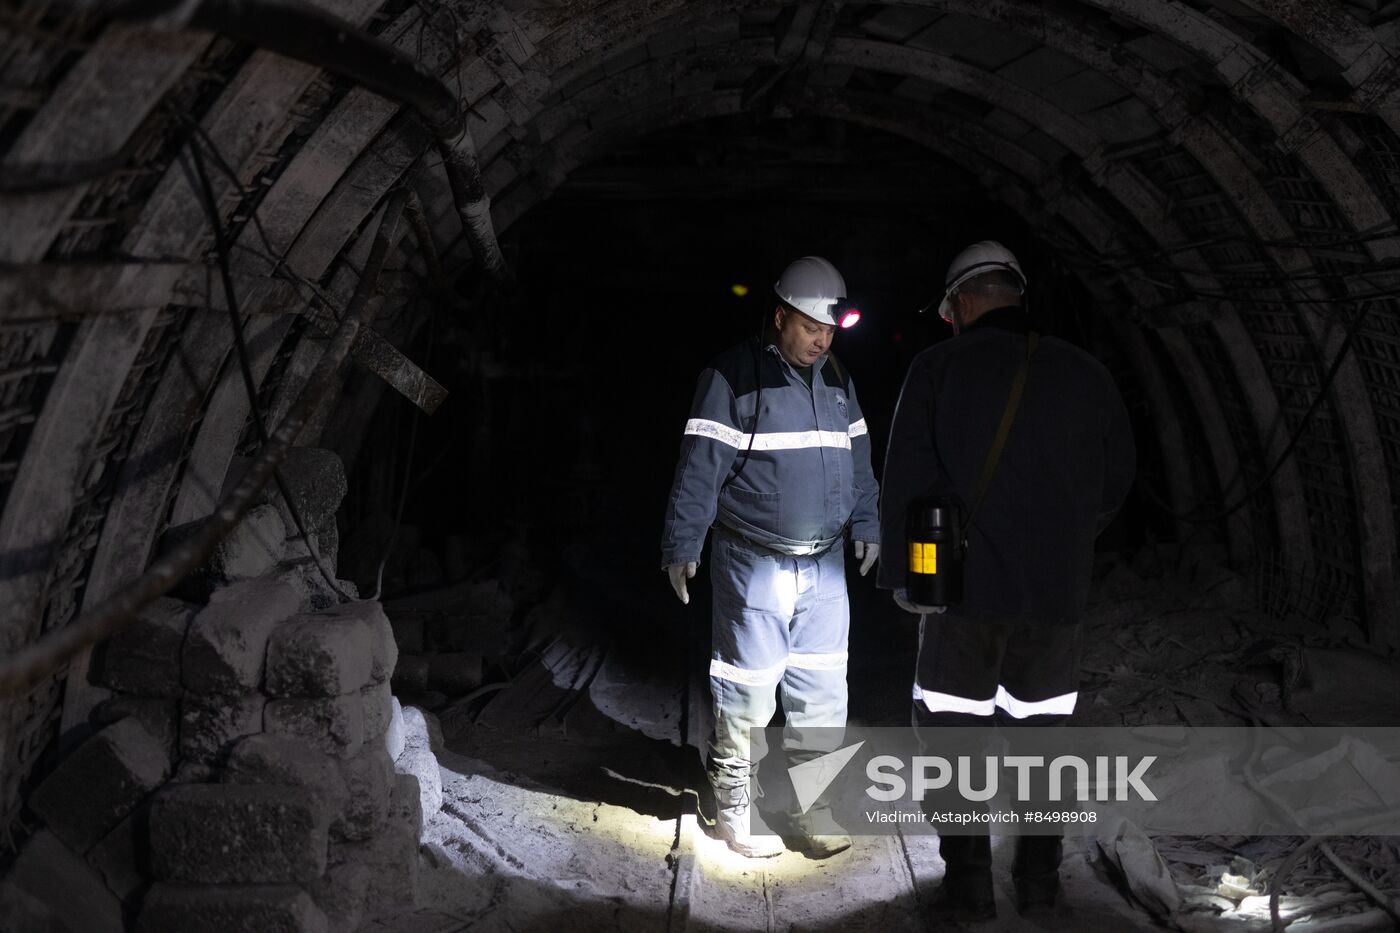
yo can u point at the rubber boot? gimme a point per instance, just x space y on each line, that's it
741 828
966 894
1036 872
816 833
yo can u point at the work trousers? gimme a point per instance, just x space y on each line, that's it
779 627
977 675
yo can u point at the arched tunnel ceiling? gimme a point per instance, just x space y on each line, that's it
1222 175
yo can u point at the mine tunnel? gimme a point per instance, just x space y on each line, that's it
347 351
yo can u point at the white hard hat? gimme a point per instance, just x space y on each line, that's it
986 256
813 286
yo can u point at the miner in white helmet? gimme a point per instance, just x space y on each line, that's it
1036 473
776 460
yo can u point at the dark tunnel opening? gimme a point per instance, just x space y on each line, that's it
632 278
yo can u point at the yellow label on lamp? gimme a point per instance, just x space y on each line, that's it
923 557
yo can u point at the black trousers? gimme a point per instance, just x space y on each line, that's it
976 675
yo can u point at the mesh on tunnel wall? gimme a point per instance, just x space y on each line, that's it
33 722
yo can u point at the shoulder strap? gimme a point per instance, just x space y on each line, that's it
1008 414
757 406
840 372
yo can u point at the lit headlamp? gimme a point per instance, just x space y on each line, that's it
844 313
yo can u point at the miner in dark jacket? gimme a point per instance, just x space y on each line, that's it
1008 651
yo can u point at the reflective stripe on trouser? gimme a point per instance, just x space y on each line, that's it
1025 674
778 620
974 674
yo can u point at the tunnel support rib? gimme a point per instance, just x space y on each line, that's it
316 37
41 658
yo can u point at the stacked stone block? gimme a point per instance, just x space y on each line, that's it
241 776
84 866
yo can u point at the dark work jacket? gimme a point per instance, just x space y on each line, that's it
1068 463
791 478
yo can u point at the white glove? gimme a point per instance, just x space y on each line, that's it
867 550
901 597
679 573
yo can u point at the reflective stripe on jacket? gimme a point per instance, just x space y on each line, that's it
808 462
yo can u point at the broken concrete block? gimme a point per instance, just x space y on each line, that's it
391 856
421 729
304 554
161 717
74 894
144 657
103 780
269 908
252 548
280 761
405 806
334 725
411 673
210 724
340 893
299 549
394 735
123 857
249 551
227 642
455 672
323 595
238 834
379 709
369 777
384 652
420 762
322 655
315 479
294 575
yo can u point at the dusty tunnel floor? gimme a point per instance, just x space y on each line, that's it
568 790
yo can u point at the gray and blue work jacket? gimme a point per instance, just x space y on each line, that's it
770 458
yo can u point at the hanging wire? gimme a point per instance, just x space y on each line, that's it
279 267
206 192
